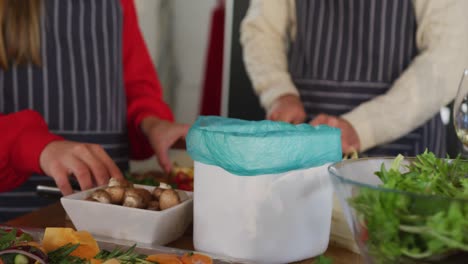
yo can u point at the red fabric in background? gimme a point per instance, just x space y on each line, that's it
212 85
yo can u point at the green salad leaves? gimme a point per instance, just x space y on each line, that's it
426 221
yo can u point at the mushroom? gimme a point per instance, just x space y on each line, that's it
113 182
164 185
168 199
133 199
91 199
153 205
101 196
157 193
137 197
116 193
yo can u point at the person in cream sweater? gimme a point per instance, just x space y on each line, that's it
380 70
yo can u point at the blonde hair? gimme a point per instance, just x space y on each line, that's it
20 35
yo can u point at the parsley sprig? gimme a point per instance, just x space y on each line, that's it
10 238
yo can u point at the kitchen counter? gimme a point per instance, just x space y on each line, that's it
55 216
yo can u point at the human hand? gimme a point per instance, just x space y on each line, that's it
287 108
162 135
89 163
349 138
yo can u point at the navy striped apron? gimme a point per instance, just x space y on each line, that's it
78 89
347 52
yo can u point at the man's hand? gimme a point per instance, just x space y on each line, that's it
162 135
287 108
89 163
349 138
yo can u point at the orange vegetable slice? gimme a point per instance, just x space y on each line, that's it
164 259
196 258
55 237
95 261
112 261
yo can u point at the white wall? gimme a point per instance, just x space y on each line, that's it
191 32
190 24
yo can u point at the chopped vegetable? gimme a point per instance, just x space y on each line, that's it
399 226
21 259
66 253
196 258
323 260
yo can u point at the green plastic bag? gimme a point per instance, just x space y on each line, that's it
248 148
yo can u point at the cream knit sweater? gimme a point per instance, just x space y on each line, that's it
430 81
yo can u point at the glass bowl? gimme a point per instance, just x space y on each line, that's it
393 226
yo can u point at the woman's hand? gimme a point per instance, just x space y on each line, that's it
89 163
287 108
349 138
162 135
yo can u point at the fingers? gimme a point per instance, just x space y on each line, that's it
80 170
109 164
184 128
162 150
163 160
294 117
89 163
95 163
321 119
288 109
60 175
299 119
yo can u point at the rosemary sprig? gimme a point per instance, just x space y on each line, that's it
128 256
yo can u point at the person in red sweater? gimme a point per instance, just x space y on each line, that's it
77 87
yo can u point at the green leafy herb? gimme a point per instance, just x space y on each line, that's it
398 227
128 256
7 238
144 181
62 255
10 238
323 260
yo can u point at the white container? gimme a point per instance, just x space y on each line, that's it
275 218
134 224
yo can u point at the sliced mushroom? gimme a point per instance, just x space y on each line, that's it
168 199
101 196
153 205
157 193
116 193
113 182
137 198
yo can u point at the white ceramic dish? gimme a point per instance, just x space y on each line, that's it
119 222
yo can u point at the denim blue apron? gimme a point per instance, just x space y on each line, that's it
78 89
347 52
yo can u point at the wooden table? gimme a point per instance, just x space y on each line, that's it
54 216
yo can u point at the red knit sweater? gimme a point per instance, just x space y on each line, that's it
25 133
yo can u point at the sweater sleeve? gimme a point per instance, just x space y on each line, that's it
21 145
142 87
429 83
265 32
